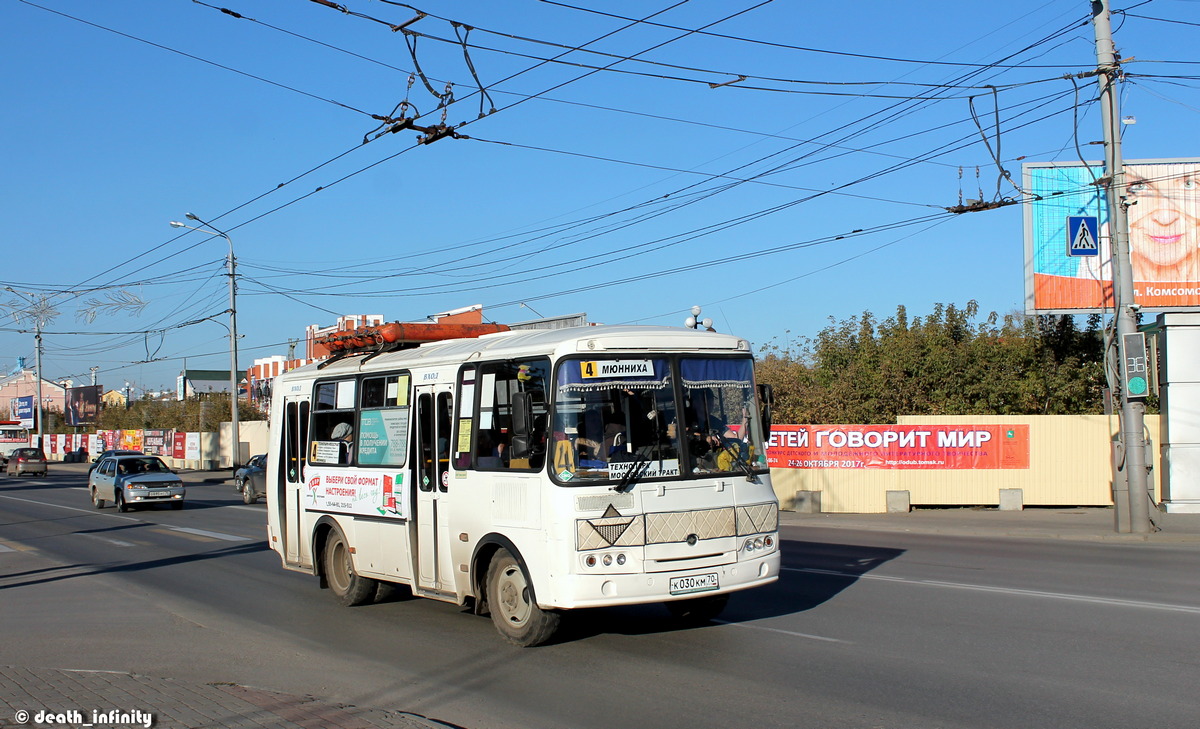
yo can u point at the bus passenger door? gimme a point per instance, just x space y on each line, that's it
431 466
288 482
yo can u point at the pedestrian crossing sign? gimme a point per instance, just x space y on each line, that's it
1083 235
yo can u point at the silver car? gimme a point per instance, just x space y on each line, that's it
130 481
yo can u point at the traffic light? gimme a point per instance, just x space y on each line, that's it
1135 375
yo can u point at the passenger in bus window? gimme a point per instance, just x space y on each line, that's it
343 432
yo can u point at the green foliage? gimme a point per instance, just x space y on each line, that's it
862 370
197 415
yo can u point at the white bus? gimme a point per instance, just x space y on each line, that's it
13 435
529 472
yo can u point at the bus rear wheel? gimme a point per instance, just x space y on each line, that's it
510 600
347 586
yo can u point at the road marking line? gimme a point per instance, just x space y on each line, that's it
97 512
117 542
213 535
1114 601
166 531
810 636
6 548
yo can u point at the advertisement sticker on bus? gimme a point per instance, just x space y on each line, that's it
357 492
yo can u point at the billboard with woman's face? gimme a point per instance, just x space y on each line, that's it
1163 207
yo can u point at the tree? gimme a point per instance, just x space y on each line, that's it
195 415
862 370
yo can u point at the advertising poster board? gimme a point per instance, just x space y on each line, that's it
192 447
131 440
83 405
899 446
155 442
22 409
1163 207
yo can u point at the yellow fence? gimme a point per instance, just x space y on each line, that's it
1070 464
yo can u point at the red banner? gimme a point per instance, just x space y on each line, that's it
899 446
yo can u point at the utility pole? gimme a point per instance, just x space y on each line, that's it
37 374
1133 412
233 335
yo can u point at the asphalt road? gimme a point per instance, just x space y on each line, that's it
865 629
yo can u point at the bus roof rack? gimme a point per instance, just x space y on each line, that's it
393 336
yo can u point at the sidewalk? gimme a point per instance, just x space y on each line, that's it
115 699
1081 524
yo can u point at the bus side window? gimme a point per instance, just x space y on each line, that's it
465 422
499 384
333 423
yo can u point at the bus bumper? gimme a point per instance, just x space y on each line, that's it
603 590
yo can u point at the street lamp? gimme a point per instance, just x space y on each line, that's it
233 368
694 321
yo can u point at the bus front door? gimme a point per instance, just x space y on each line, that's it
431 466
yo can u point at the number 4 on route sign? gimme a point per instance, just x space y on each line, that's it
1083 235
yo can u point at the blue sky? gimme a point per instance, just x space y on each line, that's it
629 183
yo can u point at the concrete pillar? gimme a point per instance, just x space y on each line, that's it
898 502
807 502
1012 499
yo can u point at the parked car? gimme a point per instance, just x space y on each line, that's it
106 454
4 454
79 455
250 479
134 480
24 461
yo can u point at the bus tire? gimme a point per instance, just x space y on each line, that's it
347 586
698 610
515 614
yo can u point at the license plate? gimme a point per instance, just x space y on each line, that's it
159 493
694 583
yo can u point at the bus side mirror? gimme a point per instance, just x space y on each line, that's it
766 399
522 425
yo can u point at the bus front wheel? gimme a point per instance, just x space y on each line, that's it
347 586
515 614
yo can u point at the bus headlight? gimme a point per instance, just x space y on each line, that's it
759 544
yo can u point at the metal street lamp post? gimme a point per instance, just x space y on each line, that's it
233 367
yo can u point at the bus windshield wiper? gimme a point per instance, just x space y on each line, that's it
639 463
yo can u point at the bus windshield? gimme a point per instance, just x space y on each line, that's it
623 418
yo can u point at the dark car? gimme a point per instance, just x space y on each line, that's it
250 479
26 461
79 455
106 454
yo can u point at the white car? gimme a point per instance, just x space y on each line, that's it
130 481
